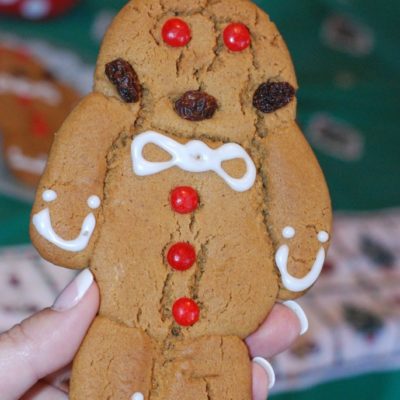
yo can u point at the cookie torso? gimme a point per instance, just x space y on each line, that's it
233 251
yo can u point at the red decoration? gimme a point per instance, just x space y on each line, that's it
36 9
184 199
237 37
185 311
181 256
40 128
176 32
24 101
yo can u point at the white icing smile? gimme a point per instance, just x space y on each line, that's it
194 156
42 223
281 258
22 162
23 87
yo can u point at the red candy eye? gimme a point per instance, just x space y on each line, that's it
181 256
184 199
237 37
176 32
185 311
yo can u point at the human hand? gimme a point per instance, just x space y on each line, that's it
47 342
285 323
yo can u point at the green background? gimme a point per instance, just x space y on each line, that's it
371 104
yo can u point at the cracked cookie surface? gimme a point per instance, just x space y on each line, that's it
236 233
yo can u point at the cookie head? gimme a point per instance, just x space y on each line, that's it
33 104
203 69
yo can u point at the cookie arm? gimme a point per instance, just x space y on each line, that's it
297 197
67 211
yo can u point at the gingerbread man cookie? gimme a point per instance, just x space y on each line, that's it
185 185
33 105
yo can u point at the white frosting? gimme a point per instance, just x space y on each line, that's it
267 367
94 202
21 162
295 284
323 236
194 156
43 225
137 396
288 232
23 87
49 195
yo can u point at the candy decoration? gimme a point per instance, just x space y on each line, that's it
181 256
237 37
184 199
24 101
185 311
40 127
176 32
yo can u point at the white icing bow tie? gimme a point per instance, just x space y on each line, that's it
194 156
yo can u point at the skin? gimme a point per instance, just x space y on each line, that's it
36 350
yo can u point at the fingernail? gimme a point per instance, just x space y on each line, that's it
267 367
74 292
301 315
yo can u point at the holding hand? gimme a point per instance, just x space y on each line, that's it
48 341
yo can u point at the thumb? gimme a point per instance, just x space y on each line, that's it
49 340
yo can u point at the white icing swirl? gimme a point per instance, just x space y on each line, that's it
296 284
194 156
42 223
137 396
23 87
22 162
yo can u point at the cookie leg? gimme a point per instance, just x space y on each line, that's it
209 368
114 362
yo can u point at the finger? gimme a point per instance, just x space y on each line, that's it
43 391
49 340
60 379
260 383
278 332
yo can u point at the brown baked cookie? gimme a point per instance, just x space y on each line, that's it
33 105
185 185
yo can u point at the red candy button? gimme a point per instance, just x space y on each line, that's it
40 127
185 311
181 256
176 32
237 37
184 199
